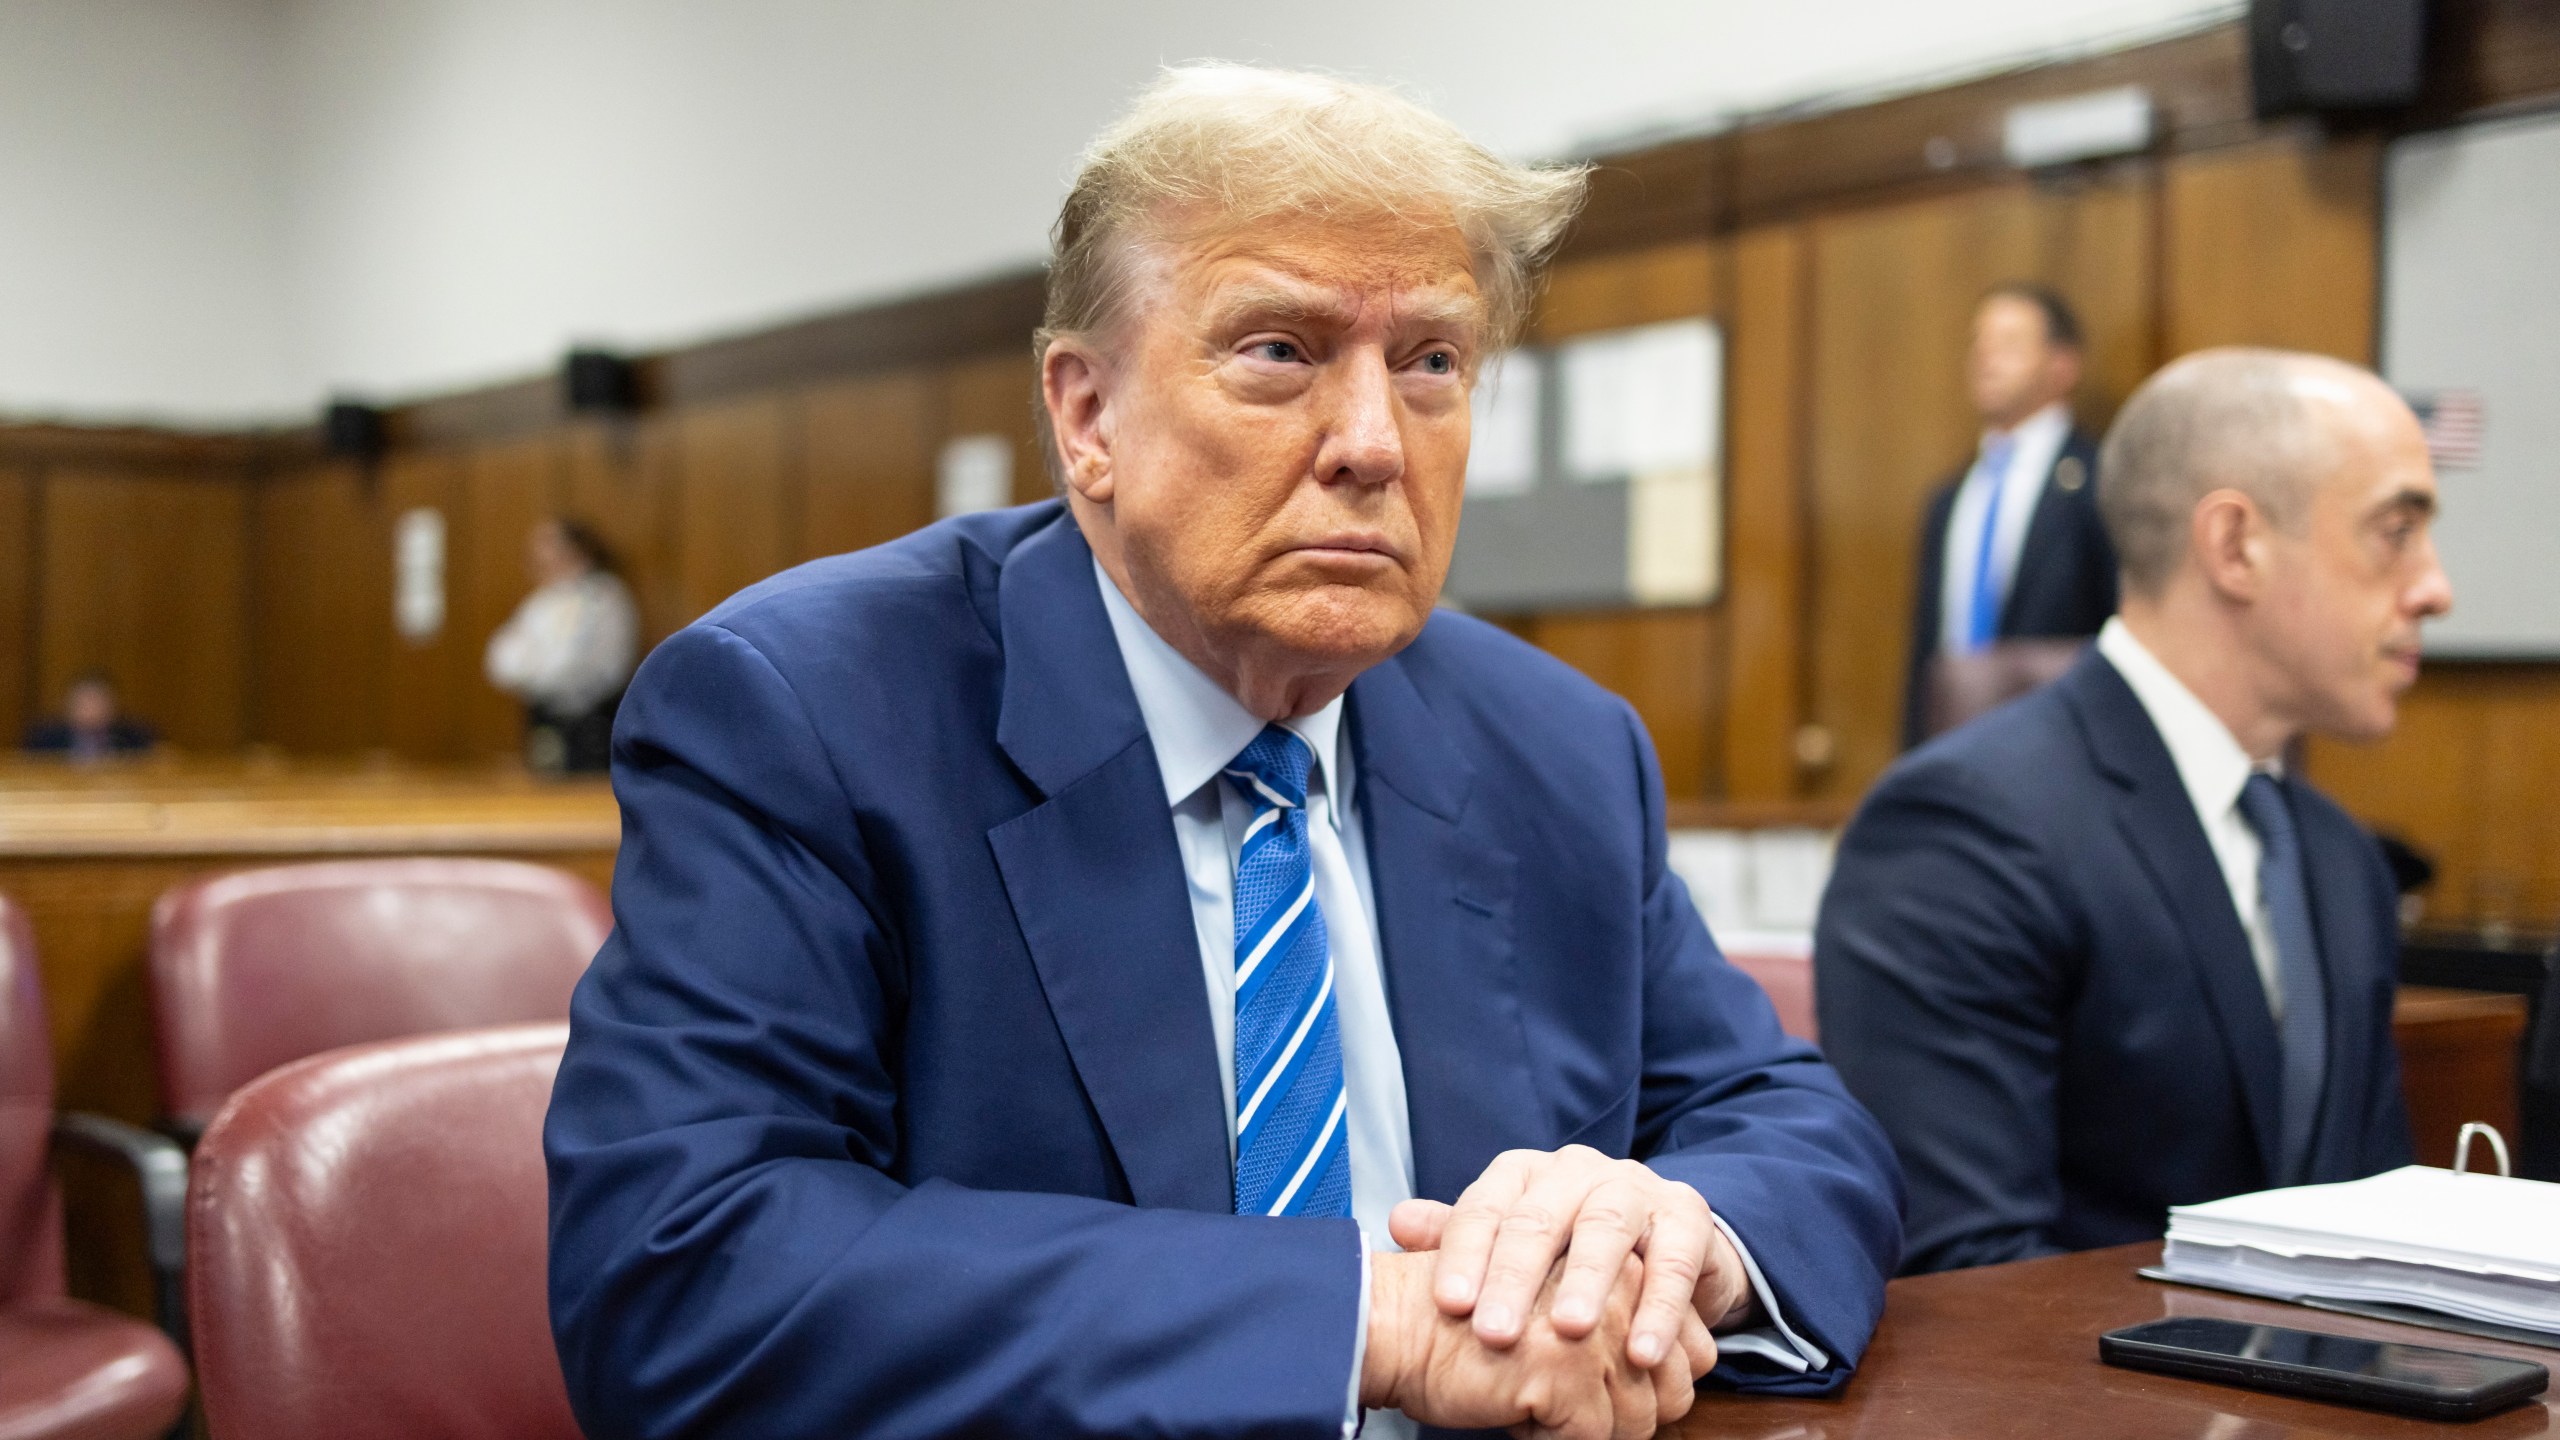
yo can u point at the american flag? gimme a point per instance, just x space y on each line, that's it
2453 422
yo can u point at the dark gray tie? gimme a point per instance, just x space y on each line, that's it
2305 1031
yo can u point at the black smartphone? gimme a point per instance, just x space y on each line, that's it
2385 1375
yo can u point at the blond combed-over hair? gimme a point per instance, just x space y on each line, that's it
1217 146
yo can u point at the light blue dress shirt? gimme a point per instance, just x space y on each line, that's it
2035 445
1196 729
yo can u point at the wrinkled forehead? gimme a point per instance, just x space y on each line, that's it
1335 271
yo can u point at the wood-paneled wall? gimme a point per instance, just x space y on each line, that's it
127 553
2468 776
698 502
18 702
146 576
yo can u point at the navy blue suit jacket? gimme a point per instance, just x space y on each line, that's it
2065 585
2029 967
891 1107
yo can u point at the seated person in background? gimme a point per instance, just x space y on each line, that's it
91 725
2011 547
1063 953
569 648
2098 953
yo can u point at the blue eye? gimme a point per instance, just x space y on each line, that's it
1440 362
1280 351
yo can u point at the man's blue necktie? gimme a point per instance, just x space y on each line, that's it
2305 1032
1982 619
1293 1141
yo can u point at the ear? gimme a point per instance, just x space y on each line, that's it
2227 538
1075 385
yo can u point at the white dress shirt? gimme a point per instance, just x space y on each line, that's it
1197 729
2036 443
2214 768
570 646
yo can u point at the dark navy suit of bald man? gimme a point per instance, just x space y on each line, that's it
2030 966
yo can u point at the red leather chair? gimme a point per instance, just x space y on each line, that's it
69 1370
1961 687
368 1244
252 969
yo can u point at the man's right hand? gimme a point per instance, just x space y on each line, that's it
1436 1370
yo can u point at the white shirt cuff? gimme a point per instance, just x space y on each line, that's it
1775 1342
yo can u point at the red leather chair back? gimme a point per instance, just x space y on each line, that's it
30 1207
1964 686
1788 977
253 969
366 1245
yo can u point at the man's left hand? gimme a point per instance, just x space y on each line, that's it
1498 1243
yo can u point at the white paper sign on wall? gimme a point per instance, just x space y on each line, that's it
417 592
1502 448
975 473
1642 400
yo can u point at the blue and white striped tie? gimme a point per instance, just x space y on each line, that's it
1293 1146
1982 617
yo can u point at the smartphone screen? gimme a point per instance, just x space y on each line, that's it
2376 1369
2375 1359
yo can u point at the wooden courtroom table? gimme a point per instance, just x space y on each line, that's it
2012 1351
86 850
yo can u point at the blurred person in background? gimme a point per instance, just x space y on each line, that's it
569 648
2012 547
91 726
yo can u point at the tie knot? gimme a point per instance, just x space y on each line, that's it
1996 451
2262 805
1273 769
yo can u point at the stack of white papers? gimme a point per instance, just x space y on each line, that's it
2476 1246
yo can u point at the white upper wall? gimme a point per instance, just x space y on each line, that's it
141 212
468 186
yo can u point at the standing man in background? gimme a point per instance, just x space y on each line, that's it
2013 548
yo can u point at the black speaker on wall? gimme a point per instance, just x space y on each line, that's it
353 431
598 380
2324 55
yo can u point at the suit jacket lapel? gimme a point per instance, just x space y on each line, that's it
1095 879
1444 898
2044 544
2159 821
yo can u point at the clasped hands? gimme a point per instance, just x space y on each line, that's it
1565 1294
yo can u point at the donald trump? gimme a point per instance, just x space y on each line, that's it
1131 966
